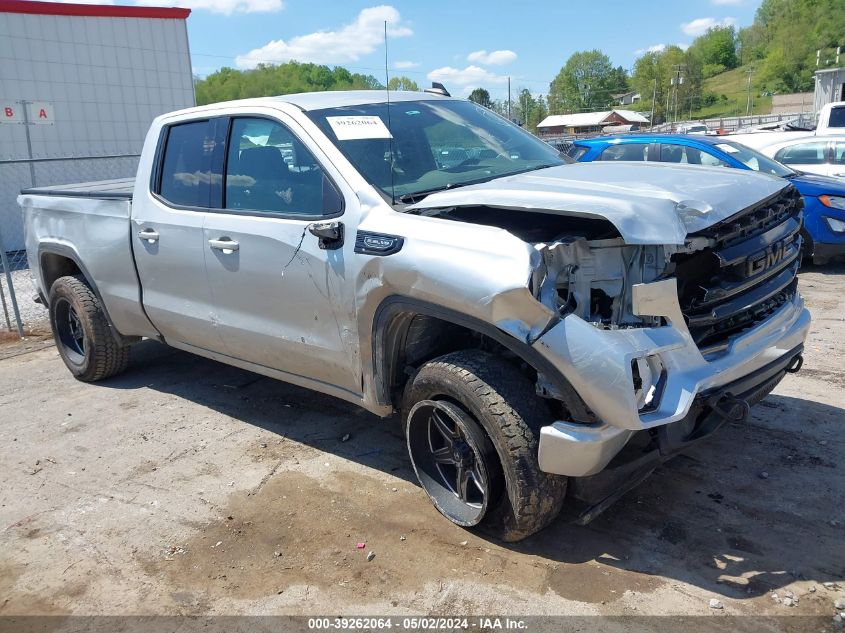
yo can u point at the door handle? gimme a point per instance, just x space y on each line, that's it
151 235
228 246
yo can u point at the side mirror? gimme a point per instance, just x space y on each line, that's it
330 234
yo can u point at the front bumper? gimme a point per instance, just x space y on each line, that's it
598 365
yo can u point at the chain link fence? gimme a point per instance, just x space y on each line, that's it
20 314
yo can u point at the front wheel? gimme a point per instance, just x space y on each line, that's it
81 331
472 424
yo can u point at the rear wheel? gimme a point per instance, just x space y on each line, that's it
81 330
472 423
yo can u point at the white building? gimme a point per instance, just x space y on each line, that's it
627 98
588 122
830 87
84 81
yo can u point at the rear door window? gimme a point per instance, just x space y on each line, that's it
626 151
192 164
814 153
837 117
674 153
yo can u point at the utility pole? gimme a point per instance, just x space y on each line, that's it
525 98
509 99
749 104
653 99
677 80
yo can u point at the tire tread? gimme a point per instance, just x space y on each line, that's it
533 498
108 357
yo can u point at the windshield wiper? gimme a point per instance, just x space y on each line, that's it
412 197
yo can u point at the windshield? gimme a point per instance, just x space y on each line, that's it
755 160
436 145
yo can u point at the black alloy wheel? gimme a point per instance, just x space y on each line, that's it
454 459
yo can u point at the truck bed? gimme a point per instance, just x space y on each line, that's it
90 223
118 189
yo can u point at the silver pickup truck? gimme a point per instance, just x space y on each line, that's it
548 332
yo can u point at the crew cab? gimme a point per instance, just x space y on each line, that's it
824 197
547 332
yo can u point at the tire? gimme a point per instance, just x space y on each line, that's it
82 333
807 248
502 416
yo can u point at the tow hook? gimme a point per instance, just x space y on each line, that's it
795 364
729 408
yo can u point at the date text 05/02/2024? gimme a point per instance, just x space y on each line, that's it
427 623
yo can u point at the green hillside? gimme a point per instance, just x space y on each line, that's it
731 91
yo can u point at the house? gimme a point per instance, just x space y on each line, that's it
587 122
627 98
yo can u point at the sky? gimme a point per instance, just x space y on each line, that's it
463 44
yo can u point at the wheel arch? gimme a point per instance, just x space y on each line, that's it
408 332
56 259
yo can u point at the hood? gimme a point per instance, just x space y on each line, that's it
812 185
648 203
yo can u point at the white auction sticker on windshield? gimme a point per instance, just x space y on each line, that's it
730 149
350 128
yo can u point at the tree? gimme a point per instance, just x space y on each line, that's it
528 110
653 73
269 79
716 50
402 83
786 35
586 82
481 97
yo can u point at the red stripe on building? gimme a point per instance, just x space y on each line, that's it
92 10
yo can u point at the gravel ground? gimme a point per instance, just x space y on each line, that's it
33 315
189 487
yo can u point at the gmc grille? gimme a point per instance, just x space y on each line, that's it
747 273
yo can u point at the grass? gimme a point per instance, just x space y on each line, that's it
734 85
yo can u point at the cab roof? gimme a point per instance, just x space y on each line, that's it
320 100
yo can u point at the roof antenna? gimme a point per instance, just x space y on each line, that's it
389 126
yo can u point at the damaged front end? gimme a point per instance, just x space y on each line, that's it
662 342
670 342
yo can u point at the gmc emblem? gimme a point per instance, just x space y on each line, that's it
770 257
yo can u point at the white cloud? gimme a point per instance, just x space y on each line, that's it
656 48
404 65
471 75
493 58
659 48
347 44
226 7
699 26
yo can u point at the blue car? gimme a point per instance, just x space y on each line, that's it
824 198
